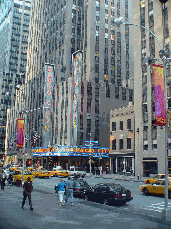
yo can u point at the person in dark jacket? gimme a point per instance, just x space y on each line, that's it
27 192
3 178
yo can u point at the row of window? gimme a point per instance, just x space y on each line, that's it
121 125
121 144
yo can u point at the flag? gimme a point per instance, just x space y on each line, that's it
20 133
26 140
159 93
34 139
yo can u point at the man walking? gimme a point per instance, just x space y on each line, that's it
3 178
69 190
27 192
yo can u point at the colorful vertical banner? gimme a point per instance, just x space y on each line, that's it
20 133
48 90
159 93
77 74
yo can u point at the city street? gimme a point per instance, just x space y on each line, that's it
141 212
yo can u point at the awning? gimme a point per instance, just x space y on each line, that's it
149 161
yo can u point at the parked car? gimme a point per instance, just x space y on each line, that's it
79 187
109 193
17 175
155 178
59 172
79 171
157 188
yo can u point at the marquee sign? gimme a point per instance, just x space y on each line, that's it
70 151
48 89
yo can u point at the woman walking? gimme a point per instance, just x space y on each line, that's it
61 189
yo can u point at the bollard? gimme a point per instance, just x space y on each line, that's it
138 177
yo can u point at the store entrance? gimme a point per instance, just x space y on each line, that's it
149 167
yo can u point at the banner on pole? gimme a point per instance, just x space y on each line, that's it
20 133
159 93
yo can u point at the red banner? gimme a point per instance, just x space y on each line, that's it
159 93
20 133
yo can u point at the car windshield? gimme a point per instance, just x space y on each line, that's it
79 169
43 170
61 169
17 173
27 173
79 183
116 187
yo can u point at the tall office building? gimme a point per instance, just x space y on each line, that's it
14 31
60 28
150 139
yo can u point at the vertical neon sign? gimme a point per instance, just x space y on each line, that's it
48 88
77 74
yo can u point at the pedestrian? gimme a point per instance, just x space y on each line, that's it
61 189
69 190
3 178
28 187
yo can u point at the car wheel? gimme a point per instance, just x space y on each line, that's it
105 201
148 182
47 177
145 191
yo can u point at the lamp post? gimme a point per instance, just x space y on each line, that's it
90 154
163 56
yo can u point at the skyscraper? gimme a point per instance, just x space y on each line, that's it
60 28
14 31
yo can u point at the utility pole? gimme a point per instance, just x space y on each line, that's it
90 153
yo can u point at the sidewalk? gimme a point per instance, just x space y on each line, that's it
118 177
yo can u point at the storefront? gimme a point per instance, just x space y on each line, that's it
150 166
67 156
122 162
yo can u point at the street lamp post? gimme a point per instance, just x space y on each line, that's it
90 153
163 56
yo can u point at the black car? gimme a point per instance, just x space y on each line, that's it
79 187
108 194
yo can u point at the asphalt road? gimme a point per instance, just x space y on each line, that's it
84 214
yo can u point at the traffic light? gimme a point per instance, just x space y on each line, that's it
163 1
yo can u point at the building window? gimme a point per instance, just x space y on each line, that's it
113 126
114 144
129 124
120 144
128 143
121 125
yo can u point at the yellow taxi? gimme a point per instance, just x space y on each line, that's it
18 175
14 168
40 173
156 188
59 172
156 177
